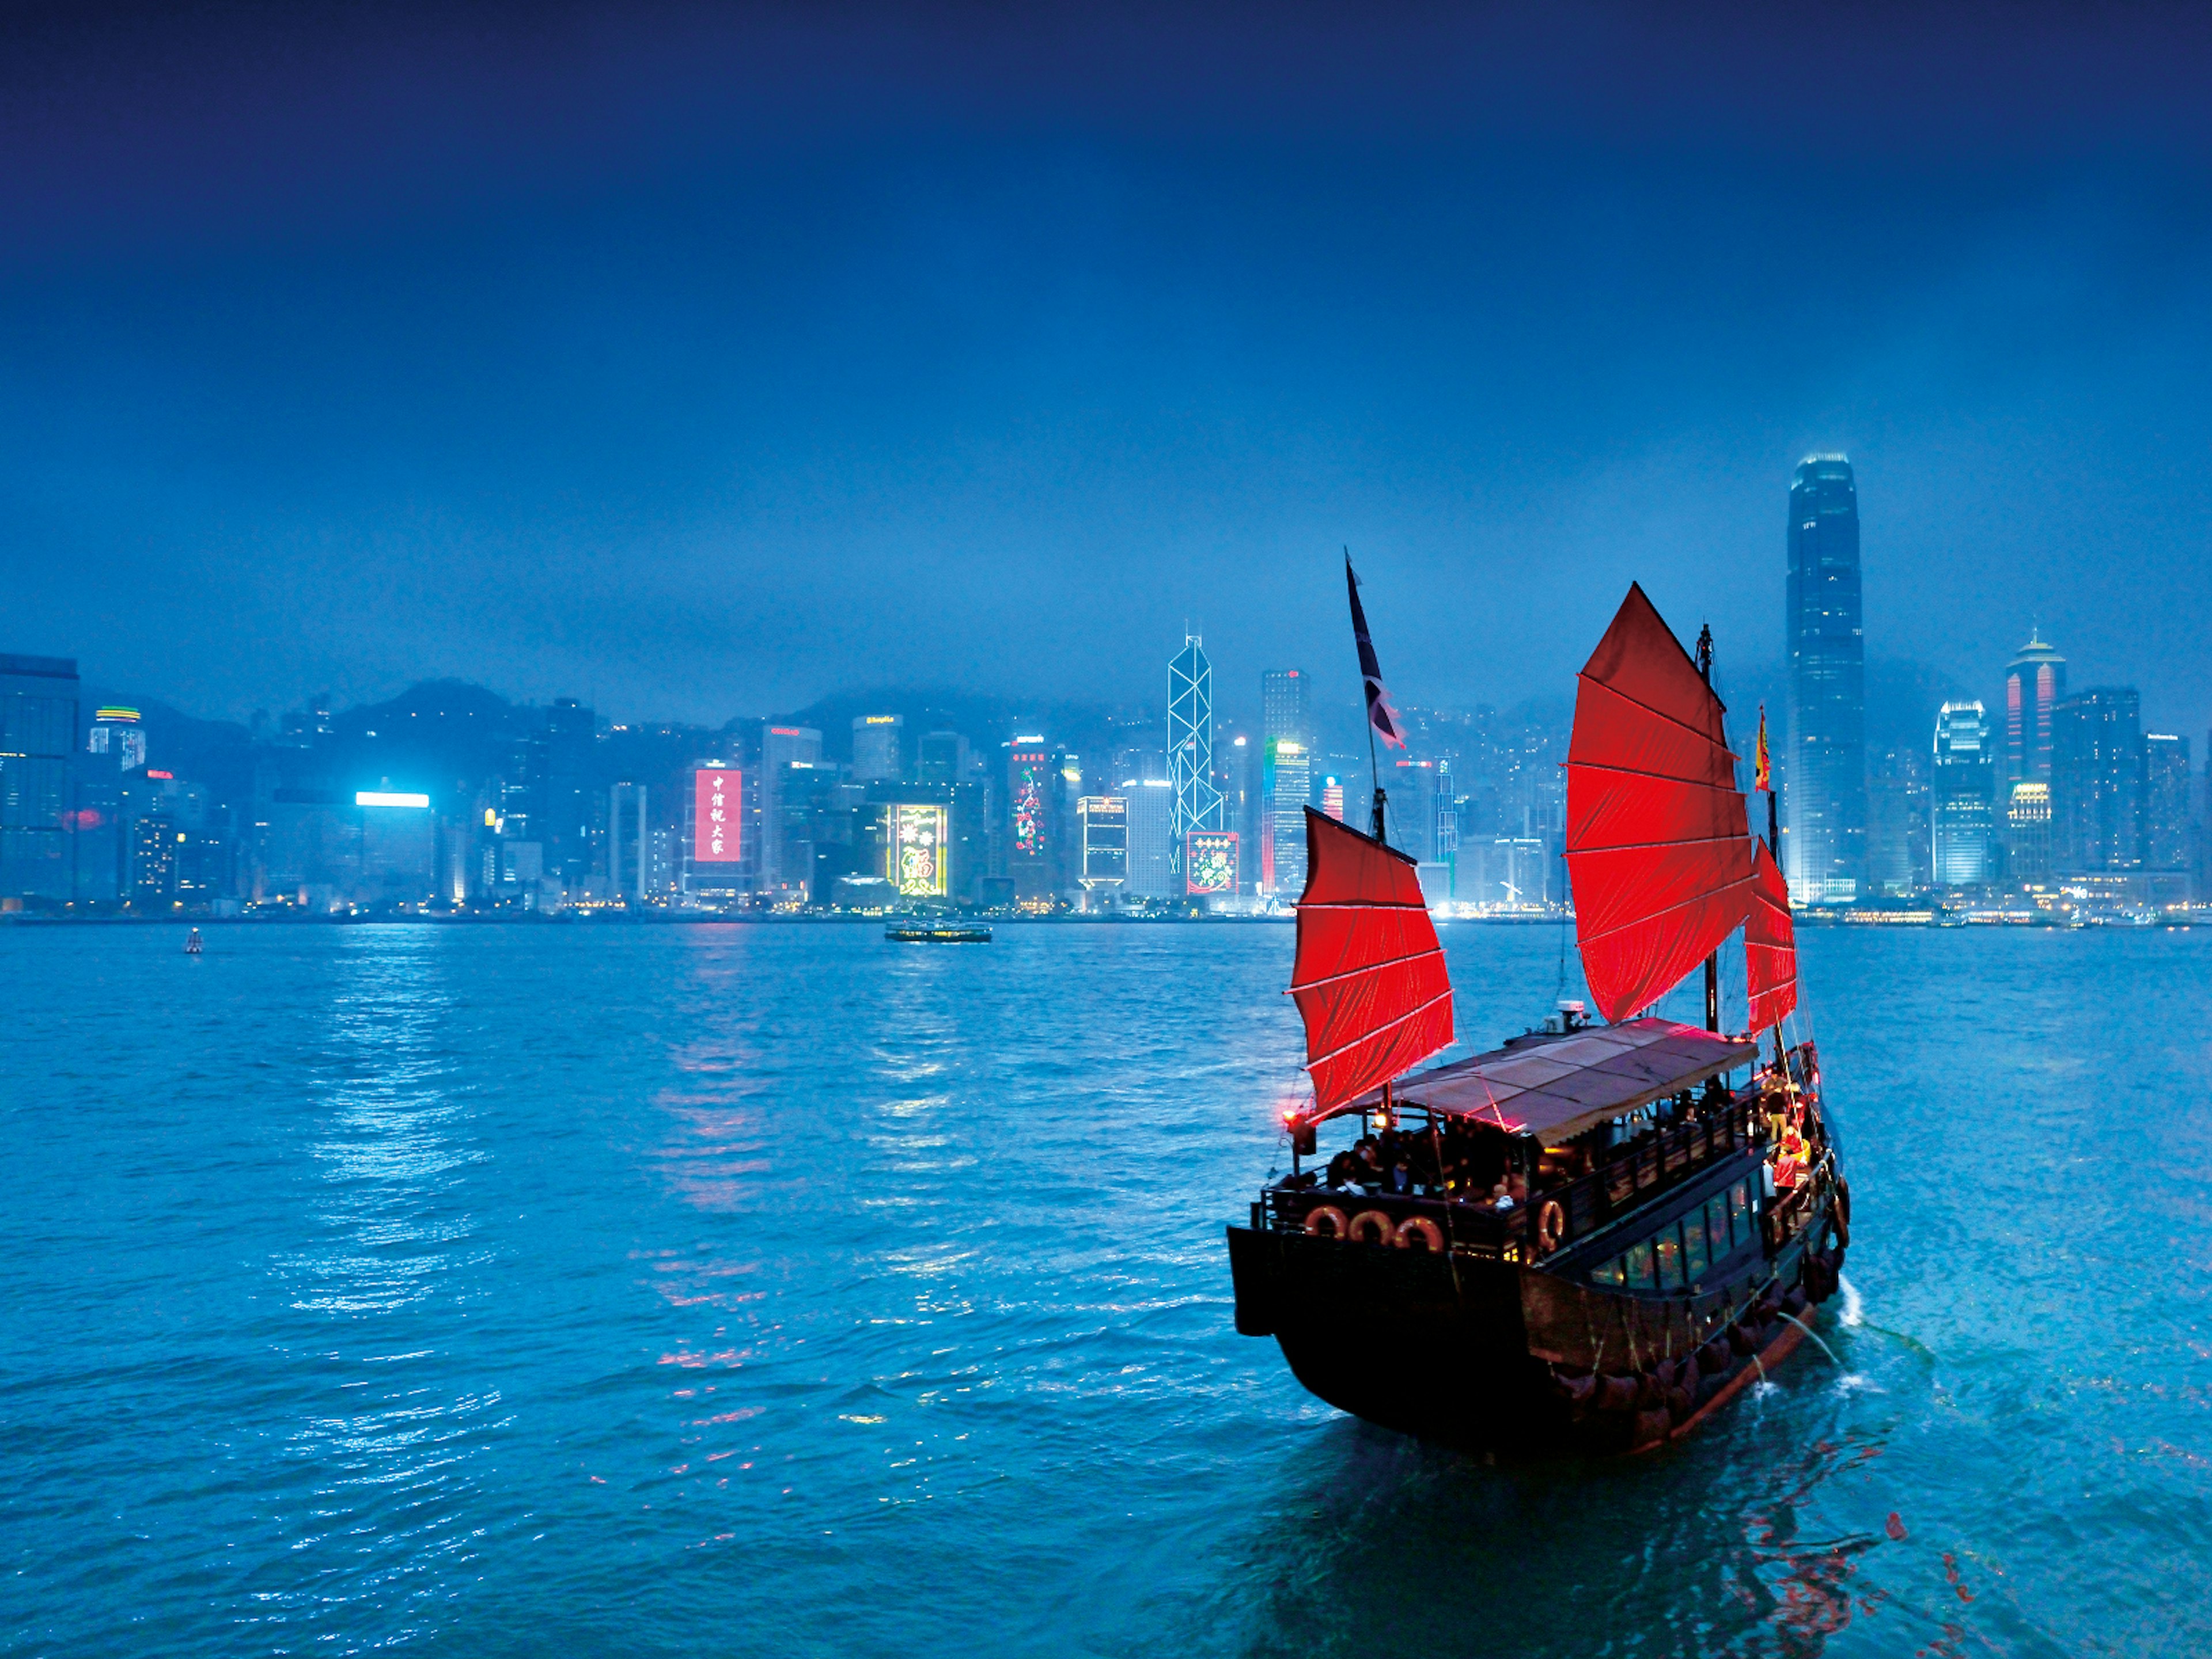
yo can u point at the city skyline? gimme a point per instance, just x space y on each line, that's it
581 384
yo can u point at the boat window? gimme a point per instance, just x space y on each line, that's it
1666 1251
1740 1211
1717 1224
1693 1246
1609 1273
1637 1266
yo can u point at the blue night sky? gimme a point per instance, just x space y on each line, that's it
704 362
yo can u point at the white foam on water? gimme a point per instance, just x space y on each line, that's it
1858 1383
1854 1311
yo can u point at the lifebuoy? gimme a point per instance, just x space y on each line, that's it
1551 1225
1420 1227
1383 1231
1327 1213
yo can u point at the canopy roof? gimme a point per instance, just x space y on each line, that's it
1555 1087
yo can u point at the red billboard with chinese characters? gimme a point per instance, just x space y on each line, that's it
717 793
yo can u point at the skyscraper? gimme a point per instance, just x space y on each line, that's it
1824 849
878 742
2035 681
1150 810
1284 709
2097 781
38 744
2028 834
1284 718
1962 797
1287 786
1190 749
2165 801
1105 825
781 748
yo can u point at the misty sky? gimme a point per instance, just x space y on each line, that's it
704 362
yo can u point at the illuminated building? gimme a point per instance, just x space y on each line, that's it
2027 833
1445 841
1211 862
2035 683
1331 798
1286 785
1824 844
916 837
781 748
1507 872
1898 818
1962 789
2097 782
37 747
1032 784
1151 809
879 743
1285 717
2165 801
117 734
1104 821
1190 749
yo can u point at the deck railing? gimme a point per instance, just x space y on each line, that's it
1633 1176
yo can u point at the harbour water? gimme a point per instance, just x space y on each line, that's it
779 1291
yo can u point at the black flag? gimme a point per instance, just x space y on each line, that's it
1380 714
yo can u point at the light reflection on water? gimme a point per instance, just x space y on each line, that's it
769 1289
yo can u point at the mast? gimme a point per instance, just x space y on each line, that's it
1382 718
1713 961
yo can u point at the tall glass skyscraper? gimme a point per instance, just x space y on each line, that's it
1824 850
38 744
1190 751
1963 796
2035 683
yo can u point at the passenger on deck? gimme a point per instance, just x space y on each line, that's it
1401 1178
1343 1172
1369 1171
1501 1195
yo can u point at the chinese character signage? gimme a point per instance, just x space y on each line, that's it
915 861
716 795
1210 862
1029 792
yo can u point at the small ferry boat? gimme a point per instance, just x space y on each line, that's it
192 944
1590 1238
937 933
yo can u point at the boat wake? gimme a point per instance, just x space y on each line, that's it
1854 1308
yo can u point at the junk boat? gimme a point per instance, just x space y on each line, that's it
1588 1240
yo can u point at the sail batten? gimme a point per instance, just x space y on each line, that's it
1657 851
1369 981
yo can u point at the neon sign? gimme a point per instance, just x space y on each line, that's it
1209 861
915 861
1029 772
368 797
717 793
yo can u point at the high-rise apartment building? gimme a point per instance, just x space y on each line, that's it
1897 861
941 757
781 748
2097 781
1286 709
1286 786
1286 716
2165 801
37 746
2035 683
1190 749
1824 849
1033 794
879 744
1962 797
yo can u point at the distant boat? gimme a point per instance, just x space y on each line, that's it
1585 1241
192 944
942 933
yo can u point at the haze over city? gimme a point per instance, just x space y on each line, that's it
700 364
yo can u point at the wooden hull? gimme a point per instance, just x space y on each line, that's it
1508 1360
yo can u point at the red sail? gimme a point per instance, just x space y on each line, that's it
1657 851
1371 979
1769 945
